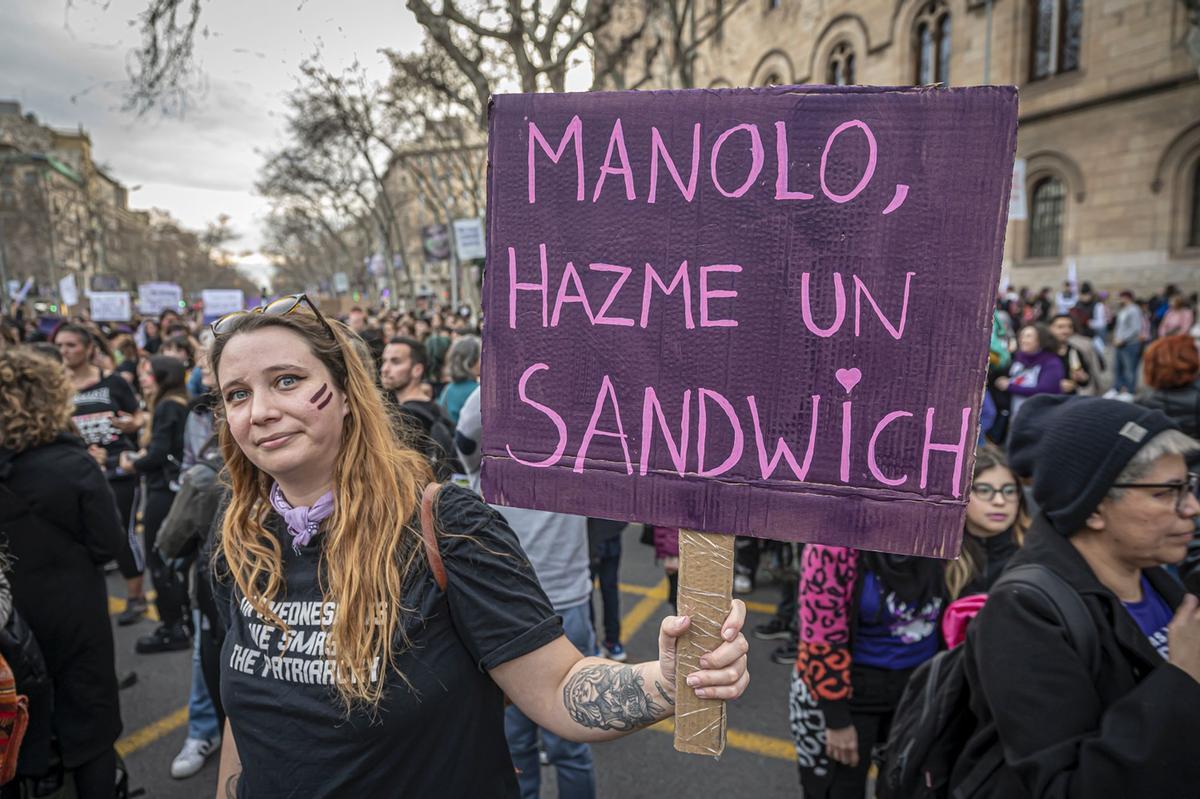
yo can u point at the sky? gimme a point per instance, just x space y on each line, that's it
65 61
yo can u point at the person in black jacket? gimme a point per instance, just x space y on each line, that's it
1170 367
59 524
1116 503
163 382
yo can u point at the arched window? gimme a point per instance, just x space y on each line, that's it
1056 36
931 44
841 66
1046 218
1194 217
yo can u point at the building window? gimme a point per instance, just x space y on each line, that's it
1194 217
931 44
841 66
1046 218
1056 37
773 4
772 79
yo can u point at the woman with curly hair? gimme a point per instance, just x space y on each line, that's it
60 525
361 658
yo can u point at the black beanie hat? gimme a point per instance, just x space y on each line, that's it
1075 447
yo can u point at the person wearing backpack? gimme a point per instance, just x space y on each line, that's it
59 524
867 620
1117 718
424 424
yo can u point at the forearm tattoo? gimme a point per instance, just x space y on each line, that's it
611 697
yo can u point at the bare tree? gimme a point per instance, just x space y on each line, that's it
657 42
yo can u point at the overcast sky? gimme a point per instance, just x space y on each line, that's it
66 63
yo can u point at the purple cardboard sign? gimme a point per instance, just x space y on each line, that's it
752 311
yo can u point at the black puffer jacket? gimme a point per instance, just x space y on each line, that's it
1129 731
1181 404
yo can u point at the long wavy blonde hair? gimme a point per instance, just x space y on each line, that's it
35 399
961 571
370 546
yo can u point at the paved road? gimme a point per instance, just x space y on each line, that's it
757 761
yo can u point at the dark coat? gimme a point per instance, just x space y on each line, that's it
1131 731
1181 404
57 550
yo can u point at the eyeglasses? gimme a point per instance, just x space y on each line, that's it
985 492
1181 489
280 307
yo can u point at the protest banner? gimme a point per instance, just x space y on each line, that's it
154 298
762 312
468 239
68 292
218 302
110 306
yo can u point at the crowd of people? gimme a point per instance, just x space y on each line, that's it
451 614
304 492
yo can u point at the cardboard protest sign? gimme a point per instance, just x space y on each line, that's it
110 306
753 311
218 302
154 298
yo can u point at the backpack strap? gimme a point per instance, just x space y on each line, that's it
1068 606
433 553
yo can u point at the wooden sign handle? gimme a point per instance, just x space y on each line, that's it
705 594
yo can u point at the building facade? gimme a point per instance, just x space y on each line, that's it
1109 124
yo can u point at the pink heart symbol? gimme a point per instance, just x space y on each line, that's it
849 378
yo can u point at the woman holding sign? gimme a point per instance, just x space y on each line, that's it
363 658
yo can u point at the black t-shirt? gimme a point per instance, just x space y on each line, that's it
443 736
95 407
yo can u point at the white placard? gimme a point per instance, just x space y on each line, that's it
111 306
218 302
468 239
67 290
1016 200
154 298
22 291
341 283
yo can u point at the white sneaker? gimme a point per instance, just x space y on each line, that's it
742 584
192 756
1110 394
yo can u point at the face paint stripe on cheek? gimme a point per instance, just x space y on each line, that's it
320 392
328 399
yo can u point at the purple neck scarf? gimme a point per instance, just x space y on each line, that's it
302 522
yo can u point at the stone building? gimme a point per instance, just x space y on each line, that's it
60 212
1109 133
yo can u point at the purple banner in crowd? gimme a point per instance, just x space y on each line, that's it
752 311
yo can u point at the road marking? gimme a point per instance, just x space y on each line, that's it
646 607
755 743
117 605
152 732
765 745
660 591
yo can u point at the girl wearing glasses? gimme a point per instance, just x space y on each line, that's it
346 669
995 527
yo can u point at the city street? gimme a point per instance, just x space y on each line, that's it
757 760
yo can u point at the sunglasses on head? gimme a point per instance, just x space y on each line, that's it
280 307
